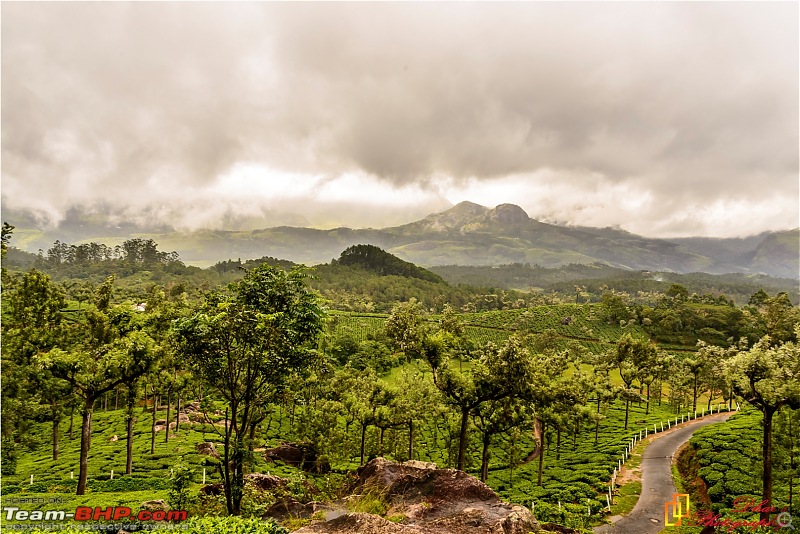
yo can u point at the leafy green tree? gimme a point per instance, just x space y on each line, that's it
365 399
179 486
698 367
768 377
33 324
417 400
244 342
496 417
498 373
405 326
604 392
95 369
630 356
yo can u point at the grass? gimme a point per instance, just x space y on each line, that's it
626 499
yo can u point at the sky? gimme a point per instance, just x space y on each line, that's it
665 119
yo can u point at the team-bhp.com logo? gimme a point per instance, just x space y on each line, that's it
88 513
676 509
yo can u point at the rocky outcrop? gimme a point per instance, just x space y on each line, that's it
427 500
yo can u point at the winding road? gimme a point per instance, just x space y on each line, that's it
657 484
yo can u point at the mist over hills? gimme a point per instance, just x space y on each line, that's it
466 234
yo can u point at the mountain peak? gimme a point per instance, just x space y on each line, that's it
509 214
467 208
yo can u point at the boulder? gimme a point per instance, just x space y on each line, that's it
299 455
157 504
213 489
265 482
208 449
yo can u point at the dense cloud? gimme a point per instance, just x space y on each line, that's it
688 110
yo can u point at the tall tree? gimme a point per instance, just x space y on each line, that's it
498 373
96 369
768 377
33 324
630 356
244 342
496 417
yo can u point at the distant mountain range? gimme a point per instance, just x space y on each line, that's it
466 234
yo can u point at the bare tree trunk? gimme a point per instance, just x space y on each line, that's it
558 442
767 473
485 457
627 404
166 430
462 439
363 441
86 432
56 421
178 415
153 426
541 455
410 439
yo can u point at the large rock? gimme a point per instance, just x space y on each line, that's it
430 501
158 504
298 455
208 449
265 482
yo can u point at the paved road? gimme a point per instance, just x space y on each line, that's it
657 485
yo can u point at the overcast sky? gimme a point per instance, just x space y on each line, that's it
666 119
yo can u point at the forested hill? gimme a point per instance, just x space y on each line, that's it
374 259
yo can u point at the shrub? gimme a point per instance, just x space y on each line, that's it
179 497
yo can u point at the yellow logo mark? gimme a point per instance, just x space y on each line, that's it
679 511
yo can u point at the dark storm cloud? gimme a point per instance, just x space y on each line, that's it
143 102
